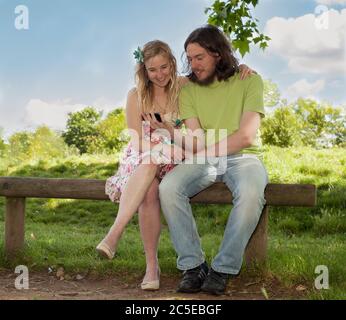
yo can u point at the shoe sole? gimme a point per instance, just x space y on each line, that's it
150 289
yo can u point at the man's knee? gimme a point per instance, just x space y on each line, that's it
167 187
251 192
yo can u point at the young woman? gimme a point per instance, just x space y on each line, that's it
149 155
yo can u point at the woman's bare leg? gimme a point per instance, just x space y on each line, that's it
131 197
150 227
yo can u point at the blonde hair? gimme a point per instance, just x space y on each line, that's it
145 86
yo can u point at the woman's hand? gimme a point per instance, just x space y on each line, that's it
154 124
245 71
174 152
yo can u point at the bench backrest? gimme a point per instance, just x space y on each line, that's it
91 189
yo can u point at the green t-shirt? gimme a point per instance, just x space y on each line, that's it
220 105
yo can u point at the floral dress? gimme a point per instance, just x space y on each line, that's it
131 159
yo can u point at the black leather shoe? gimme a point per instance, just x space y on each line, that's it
215 283
193 279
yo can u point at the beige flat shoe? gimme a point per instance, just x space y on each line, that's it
151 285
105 251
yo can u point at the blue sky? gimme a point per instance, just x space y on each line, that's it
79 52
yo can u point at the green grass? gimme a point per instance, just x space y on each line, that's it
65 232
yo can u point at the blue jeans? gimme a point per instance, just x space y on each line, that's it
245 177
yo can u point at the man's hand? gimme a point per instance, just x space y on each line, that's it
173 152
245 71
237 141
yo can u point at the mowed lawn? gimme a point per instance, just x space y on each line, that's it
65 232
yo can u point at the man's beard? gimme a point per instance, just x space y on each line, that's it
207 81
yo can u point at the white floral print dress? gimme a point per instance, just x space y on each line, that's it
131 159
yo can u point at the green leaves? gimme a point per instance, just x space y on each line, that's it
307 123
44 143
81 127
90 134
235 19
110 138
242 46
3 145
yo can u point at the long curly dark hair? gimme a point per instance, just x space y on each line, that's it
213 40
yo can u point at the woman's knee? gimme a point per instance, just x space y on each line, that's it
152 194
148 166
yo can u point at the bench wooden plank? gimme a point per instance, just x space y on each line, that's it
91 189
14 225
256 249
16 189
296 195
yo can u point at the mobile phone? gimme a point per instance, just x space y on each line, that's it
158 117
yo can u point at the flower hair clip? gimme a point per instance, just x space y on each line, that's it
139 56
177 123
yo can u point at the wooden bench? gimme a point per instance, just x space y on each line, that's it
16 190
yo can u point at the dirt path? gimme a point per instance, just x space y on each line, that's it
50 287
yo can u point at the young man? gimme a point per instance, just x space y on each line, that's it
216 100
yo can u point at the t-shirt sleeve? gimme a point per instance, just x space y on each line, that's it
186 105
254 95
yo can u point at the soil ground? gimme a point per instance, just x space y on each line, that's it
45 286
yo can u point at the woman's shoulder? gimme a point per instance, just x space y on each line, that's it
132 100
133 93
132 96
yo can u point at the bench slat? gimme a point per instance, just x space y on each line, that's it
295 195
218 193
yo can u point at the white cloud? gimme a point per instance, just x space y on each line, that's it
52 114
310 44
55 114
106 105
304 89
330 2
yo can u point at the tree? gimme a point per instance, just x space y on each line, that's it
282 128
323 125
19 145
46 144
305 122
235 19
81 128
272 95
110 138
3 145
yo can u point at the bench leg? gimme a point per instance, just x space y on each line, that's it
256 250
14 225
